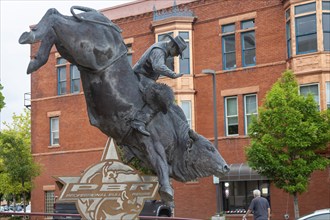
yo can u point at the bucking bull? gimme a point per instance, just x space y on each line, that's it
113 96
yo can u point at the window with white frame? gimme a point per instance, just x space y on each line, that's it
231 113
305 24
186 107
184 62
54 131
49 201
326 24
328 94
61 76
311 89
248 43
75 79
228 46
250 110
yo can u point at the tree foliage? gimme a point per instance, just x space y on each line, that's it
2 99
287 137
16 162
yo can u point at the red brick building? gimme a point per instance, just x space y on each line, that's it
247 43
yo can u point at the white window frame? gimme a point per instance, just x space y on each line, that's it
54 132
318 91
187 114
246 125
231 116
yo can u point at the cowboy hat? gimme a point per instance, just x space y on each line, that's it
179 43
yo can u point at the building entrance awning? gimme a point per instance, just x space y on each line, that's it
241 172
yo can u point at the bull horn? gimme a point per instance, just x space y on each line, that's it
193 135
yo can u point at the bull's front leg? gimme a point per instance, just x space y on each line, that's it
157 157
41 29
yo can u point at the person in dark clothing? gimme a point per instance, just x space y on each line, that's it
259 206
150 67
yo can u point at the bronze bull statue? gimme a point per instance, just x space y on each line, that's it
94 44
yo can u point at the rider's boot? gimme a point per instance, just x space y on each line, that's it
140 126
141 119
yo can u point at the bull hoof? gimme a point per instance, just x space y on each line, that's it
166 193
27 38
32 67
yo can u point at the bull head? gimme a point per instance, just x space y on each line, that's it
202 159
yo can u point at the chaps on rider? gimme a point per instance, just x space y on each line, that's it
151 65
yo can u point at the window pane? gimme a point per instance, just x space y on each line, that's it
231 106
229 43
232 129
326 30
62 73
326 40
310 89
247 24
130 60
49 201
164 37
228 28
75 72
325 5
249 57
54 131
62 89
232 121
251 104
185 61
230 60
306 43
186 107
61 61
288 38
75 86
305 8
306 25
326 22
287 14
184 35
248 45
54 122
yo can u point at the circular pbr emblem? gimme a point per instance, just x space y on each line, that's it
109 189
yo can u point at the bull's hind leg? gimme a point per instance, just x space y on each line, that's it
41 29
157 157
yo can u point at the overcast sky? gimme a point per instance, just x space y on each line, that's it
16 17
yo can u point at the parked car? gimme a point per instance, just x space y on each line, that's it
323 214
150 208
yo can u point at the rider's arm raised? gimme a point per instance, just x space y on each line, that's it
157 58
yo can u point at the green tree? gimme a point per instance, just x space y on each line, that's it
2 98
18 166
287 137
